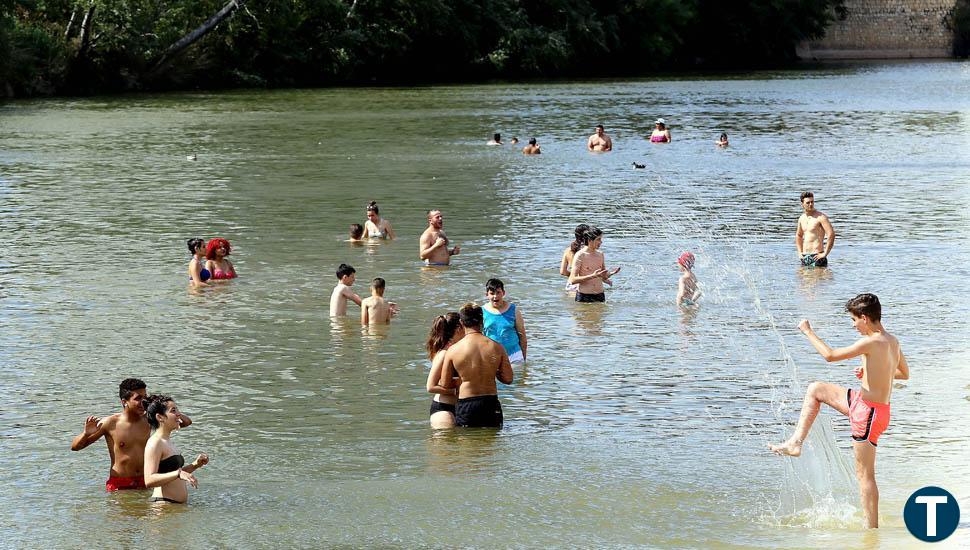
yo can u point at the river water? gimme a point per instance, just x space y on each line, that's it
633 423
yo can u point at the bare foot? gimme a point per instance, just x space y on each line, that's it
792 447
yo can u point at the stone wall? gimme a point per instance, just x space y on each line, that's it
886 29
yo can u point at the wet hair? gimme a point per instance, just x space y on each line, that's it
372 207
378 284
806 195
580 237
494 285
723 136
156 404
496 137
532 141
210 249
600 126
345 270
356 231
443 329
194 245
129 386
865 304
591 234
470 316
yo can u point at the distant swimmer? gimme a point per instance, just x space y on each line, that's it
478 362
687 291
198 274
868 407
356 233
503 322
126 434
599 142
722 141
515 140
445 331
589 268
566 263
376 227
375 310
346 275
217 263
532 148
165 468
660 132
496 140
815 236
433 246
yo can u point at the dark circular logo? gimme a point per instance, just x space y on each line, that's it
931 514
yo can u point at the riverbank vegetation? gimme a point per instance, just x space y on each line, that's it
72 47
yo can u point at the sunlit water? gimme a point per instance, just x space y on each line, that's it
632 424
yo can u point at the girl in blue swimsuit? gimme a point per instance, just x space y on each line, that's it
198 274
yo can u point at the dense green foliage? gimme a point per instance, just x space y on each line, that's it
960 23
321 42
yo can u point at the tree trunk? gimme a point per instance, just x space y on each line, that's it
86 31
70 24
191 38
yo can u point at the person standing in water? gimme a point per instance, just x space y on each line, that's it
868 407
433 246
722 141
496 140
589 268
376 227
445 331
566 263
198 274
165 469
660 132
814 237
478 361
687 291
346 275
217 262
375 310
599 142
503 322
532 148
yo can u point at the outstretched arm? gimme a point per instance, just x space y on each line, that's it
93 430
860 347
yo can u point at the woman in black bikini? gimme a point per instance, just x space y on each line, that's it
165 469
445 331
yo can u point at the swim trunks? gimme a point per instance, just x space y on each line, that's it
517 358
483 411
163 499
438 406
580 297
808 260
124 483
435 264
868 419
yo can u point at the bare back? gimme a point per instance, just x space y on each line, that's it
376 310
879 364
478 360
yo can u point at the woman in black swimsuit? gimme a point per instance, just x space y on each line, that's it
165 469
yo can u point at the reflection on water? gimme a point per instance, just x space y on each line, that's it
635 423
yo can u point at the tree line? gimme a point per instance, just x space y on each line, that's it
81 47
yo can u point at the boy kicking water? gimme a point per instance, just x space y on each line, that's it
868 407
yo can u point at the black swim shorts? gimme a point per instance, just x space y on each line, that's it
809 260
483 411
580 297
438 406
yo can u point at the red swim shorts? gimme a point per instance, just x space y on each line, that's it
123 483
868 419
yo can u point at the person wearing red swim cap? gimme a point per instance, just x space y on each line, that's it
687 291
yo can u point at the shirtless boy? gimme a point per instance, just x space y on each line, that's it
346 276
375 310
532 148
589 269
810 237
687 291
599 142
478 361
433 247
126 434
868 407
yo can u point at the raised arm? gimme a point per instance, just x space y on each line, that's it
93 430
860 347
902 369
199 462
184 421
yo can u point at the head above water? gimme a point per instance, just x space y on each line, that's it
580 237
496 137
435 218
808 201
724 136
865 305
372 207
378 285
494 285
599 129
591 234
532 141
157 408
686 260
661 123
132 392
345 270
470 316
214 245
443 330
356 231
195 245
514 140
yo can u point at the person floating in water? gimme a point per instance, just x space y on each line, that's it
496 140
433 246
217 262
599 142
589 268
722 141
165 469
198 274
532 148
375 310
346 275
376 227
514 141
814 237
660 132
687 291
503 322
478 362
126 434
868 407
445 331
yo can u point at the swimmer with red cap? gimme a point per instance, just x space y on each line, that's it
687 291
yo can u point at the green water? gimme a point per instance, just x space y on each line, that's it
633 424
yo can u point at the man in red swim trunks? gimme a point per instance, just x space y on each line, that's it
868 407
126 434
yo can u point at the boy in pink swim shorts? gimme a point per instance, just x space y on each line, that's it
867 407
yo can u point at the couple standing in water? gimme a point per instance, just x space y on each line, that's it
209 262
585 265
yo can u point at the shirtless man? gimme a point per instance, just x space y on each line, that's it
589 269
478 361
599 142
375 310
126 434
868 407
346 275
532 148
434 243
810 237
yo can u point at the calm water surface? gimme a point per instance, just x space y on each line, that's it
633 424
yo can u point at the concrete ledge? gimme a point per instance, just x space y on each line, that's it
907 53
